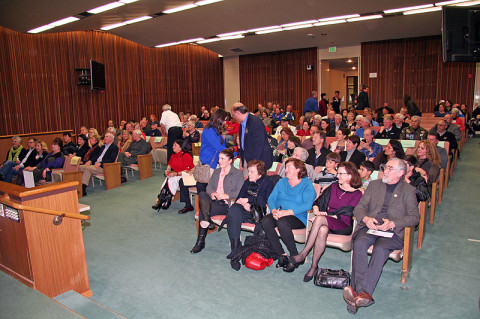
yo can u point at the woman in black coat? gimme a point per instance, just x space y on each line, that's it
255 190
415 179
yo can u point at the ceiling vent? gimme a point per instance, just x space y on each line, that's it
237 50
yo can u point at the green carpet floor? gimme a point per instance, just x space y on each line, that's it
140 265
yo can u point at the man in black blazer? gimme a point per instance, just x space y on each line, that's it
352 154
252 136
107 154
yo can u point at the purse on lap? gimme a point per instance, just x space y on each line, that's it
202 172
331 278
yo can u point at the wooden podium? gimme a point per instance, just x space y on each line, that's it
39 248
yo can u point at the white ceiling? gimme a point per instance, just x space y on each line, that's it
229 16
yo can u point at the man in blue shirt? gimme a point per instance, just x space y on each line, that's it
369 147
311 104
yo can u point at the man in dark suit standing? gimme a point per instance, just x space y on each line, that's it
362 98
107 154
352 154
253 137
388 205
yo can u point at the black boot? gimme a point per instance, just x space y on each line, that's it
200 244
84 190
161 198
235 245
168 200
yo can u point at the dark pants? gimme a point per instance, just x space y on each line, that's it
174 133
235 217
285 226
209 207
365 274
184 194
126 161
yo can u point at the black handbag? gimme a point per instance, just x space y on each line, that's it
258 212
332 278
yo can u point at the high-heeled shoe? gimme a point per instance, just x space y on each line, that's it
168 200
292 264
160 199
307 278
282 261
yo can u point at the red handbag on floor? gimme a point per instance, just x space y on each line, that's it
257 262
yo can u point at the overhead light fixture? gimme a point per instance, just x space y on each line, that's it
264 28
121 24
139 19
209 40
423 10
191 40
113 26
339 17
298 23
205 2
354 67
181 8
269 31
64 21
371 17
238 36
319 24
349 61
302 26
167 44
446 3
467 4
106 7
220 56
128 1
408 8
231 33
41 29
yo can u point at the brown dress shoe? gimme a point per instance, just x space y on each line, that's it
364 299
349 296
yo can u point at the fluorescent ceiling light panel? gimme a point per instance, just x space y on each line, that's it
106 7
64 21
230 33
376 16
239 36
128 1
302 26
269 31
113 26
41 29
205 2
167 44
319 24
467 4
446 3
422 10
182 8
138 19
340 17
208 40
192 40
298 23
408 8
264 28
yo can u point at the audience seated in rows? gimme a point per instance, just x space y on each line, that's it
128 156
19 158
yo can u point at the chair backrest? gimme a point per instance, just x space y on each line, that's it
71 163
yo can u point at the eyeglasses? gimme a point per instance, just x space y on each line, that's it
390 168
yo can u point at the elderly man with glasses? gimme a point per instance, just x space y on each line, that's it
387 207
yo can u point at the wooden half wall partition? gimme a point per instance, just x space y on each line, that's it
47 257
414 66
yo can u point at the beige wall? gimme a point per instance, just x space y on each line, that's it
231 78
335 80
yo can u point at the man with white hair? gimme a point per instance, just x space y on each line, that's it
388 205
398 119
193 118
106 154
456 119
128 157
363 123
338 122
170 123
301 154
414 131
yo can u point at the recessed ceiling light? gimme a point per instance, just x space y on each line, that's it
230 33
205 2
128 1
106 7
423 10
264 28
446 3
467 4
298 23
269 31
354 67
319 24
376 16
41 29
167 44
349 60
238 36
209 40
64 21
113 26
192 40
138 19
302 26
340 17
408 8
181 8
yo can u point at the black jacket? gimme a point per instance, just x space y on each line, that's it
322 159
262 188
421 189
109 157
256 145
356 158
